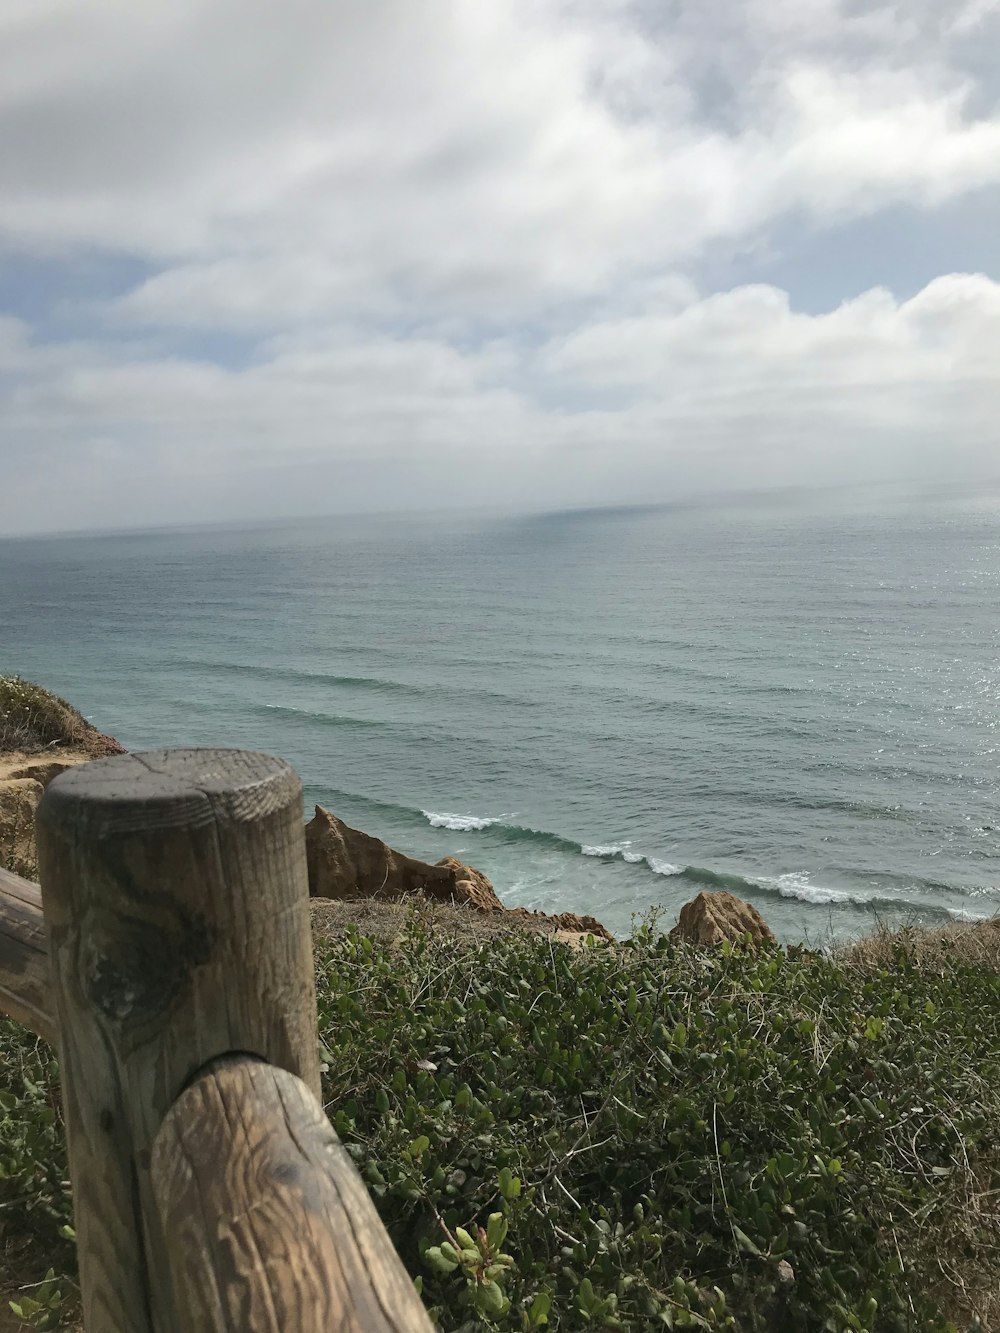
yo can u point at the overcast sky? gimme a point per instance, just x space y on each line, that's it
267 259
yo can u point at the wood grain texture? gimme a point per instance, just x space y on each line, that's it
269 1227
176 900
25 988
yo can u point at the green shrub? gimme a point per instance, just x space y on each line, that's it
38 1259
642 1137
674 1139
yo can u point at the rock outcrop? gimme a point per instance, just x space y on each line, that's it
564 921
471 885
23 778
711 918
346 863
19 798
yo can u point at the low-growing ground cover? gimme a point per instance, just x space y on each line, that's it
648 1136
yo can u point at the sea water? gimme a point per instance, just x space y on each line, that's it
792 696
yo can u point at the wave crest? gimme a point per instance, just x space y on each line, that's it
459 823
796 885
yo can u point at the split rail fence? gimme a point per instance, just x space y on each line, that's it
168 955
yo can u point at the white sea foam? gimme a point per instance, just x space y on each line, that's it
623 851
662 867
965 914
798 886
460 823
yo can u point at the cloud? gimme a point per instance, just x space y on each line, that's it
459 248
501 157
951 327
736 385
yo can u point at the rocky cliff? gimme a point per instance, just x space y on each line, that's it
346 864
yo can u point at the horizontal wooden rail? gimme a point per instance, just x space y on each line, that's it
25 987
267 1225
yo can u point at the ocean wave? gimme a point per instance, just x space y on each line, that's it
799 887
965 914
717 879
460 823
859 809
615 851
373 684
662 867
293 675
611 849
322 719
796 885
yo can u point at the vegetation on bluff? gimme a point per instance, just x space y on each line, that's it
649 1136
33 719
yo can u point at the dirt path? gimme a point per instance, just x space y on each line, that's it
12 762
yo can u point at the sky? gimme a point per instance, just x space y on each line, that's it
266 260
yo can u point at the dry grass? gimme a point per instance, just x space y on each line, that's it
965 943
33 719
381 920
954 1253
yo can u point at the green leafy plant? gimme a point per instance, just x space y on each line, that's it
479 1260
43 1308
638 1137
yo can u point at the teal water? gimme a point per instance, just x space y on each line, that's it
795 697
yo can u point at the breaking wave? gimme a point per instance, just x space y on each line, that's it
895 895
459 823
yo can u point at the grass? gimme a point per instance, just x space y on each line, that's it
970 944
670 1138
33 720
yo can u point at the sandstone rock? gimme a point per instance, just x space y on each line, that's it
19 798
471 885
713 917
567 922
346 863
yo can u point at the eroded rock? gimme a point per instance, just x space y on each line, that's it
346 863
565 921
19 798
711 918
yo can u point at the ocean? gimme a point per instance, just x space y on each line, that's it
794 696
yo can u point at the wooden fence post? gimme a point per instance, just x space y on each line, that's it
176 900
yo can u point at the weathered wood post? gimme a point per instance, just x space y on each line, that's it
270 1227
175 895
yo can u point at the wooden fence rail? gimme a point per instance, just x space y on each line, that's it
210 1192
25 988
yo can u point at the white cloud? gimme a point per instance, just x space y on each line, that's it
737 386
462 243
496 159
953 323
